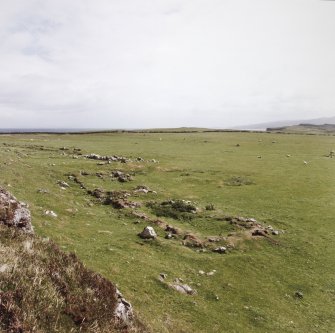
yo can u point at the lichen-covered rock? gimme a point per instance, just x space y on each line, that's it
123 311
14 213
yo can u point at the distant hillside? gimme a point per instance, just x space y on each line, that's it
305 128
286 123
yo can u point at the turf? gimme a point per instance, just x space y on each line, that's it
258 175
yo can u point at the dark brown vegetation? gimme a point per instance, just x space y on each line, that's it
43 289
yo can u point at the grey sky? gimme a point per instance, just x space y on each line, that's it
165 63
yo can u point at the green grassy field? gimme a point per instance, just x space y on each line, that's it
254 286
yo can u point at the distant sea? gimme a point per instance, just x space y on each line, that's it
48 130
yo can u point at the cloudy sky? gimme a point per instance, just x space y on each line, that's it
165 63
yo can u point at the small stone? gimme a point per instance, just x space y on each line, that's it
184 289
177 280
42 190
163 276
201 272
220 249
50 213
148 233
275 232
168 236
62 184
299 294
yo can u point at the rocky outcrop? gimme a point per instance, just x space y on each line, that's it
14 213
123 311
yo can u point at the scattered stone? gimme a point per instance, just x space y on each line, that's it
148 233
201 272
121 177
183 289
108 159
62 183
163 276
50 213
220 249
42 190
14 213
299 294
143 189
275 232
259 232
71 210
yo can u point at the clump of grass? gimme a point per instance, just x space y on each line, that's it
210 207
176 209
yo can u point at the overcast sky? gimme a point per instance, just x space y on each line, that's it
165 63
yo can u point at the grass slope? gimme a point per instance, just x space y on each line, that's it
254 285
